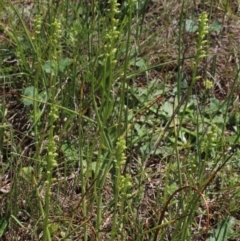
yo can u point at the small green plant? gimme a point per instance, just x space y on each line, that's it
132 122
51 162
223 230
121 185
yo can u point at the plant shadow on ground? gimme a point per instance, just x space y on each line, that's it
80 94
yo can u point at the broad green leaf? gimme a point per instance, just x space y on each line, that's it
215 26
50 67
42 96
70 152
223 230
218 119
29 92
141 63
191 26
64 63
167 107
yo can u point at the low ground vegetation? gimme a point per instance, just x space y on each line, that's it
119 121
